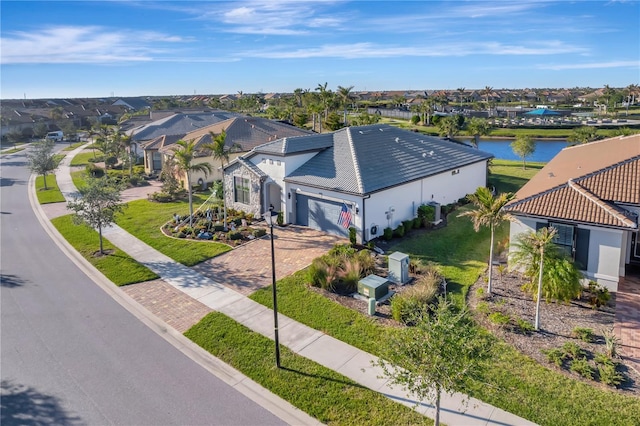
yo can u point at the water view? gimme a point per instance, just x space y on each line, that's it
501 148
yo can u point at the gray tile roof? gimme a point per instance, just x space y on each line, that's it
368 159
297 144
179 124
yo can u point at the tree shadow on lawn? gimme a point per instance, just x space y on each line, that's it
319 376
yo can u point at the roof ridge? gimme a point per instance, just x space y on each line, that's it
354 157
602 204
608 168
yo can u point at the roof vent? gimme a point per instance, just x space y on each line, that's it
424 155
431 153
551 175
397 140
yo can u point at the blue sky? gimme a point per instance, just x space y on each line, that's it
134 48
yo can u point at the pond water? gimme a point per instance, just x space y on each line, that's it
545 149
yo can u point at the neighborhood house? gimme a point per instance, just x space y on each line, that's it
591 194
367 177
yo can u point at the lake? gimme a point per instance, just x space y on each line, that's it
501 148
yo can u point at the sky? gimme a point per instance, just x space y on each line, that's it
57 49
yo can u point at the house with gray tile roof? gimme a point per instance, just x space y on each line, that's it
375 176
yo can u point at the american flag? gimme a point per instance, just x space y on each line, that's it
345 216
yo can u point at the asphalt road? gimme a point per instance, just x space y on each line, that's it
72 355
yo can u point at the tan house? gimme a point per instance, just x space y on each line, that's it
242 135
591 194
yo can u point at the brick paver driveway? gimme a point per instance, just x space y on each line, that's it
247 268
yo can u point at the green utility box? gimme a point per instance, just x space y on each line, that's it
373 287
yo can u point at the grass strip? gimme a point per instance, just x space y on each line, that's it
144 218
73 146
82 159
117 266
322 393
50 195
12 151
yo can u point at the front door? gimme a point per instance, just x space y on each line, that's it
635 247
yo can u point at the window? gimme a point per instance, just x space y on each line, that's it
157 161
241 187
572 241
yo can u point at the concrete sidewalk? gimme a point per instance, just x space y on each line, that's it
303 340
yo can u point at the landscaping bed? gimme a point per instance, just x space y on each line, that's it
558 322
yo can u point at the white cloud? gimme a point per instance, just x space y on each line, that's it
592 65
89 44
372 50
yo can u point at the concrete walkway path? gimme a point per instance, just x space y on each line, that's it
303 340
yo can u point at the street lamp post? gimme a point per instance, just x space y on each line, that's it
269 217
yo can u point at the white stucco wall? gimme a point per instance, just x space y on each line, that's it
606 256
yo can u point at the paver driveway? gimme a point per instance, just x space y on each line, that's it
247 268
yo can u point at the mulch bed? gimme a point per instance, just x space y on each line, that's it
557 321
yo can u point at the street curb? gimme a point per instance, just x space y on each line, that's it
229 375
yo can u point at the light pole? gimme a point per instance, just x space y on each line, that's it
269 217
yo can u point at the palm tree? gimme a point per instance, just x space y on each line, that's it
219 152
460 95
184 155
478 127
488 90
489 212
529 247
346 98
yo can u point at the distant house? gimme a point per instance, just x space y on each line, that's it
242 135
591 194
134 104
377 175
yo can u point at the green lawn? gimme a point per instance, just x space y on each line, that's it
144 218
74 146
322 393
509 176
50 195
118 267
12 151
82 159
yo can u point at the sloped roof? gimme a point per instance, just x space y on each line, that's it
179 124
160 142
367 159
586 184
245 133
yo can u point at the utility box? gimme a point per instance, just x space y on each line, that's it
399 268
373 287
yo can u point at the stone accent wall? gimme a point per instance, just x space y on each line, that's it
255 194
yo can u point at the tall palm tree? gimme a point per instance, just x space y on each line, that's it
478 127
489 212
221 153
460 95
488 90
184 155
531 246
345 96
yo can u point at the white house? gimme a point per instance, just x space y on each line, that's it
379 174
591 194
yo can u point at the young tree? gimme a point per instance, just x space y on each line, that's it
523 147
220 152
478 127
184 155
41 159
557 277
40 130
582 135
448 126
442 353
97 205
489 213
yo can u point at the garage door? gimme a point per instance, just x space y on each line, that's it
319 214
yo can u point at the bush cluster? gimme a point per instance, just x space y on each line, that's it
417 299
340 269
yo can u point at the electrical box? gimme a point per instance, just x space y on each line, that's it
399 268
373 287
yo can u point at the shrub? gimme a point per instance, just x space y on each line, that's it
408 225
352 236
584 334
414 300
350 275
609 375
367 262
483 308
160 197
341 250
399 231
524 326
611 342
481 292
94 171
573 350
280 219
581 366
599 295
554 356
427 214
603 359
260 232
416 223
499 318
235 235
388 234
415 119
